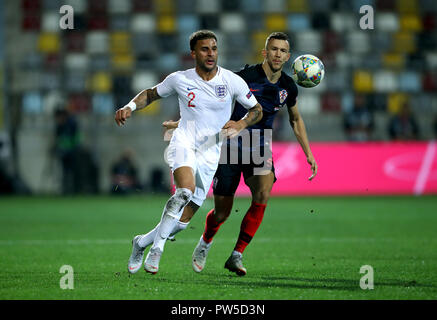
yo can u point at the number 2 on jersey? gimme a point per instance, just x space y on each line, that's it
191 95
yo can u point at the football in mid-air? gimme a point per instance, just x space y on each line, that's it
307 71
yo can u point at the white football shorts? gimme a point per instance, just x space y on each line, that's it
204 165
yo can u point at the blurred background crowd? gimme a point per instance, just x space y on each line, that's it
59 88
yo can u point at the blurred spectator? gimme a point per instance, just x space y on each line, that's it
359 122
403 125
124 174
65 149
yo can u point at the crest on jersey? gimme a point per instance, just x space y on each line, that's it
221 91
282 96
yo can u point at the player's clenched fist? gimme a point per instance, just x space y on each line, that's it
122 114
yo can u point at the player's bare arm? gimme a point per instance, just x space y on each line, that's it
299 129
254 114
141 100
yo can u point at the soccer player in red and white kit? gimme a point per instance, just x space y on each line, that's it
206 95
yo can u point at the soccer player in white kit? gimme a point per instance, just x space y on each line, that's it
206 95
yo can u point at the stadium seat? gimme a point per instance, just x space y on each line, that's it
31 21
75 81
404 42
297 6
395 101
99 62
320 5
79 102
119 7
298 22
331 102
342 80
385 81
142 6
120 22
321 21
143 22
429 81
186 6
309 42
142 80
166 7
50 80
230 6
100 82
98 21
79 6
120 42
274 6
275 22
255 23
31 5
410 81
393 61
123 62
48 42
50 22
385 5
99 7
166 24
362 81
103 103
188 23
48 5
75 41
407 6
208 6
209 21
343 22
358 41
97 42
32 102
252 6
121 84
53 61
311 103
258 41
387 22
411 22
231 22
144 43
332 42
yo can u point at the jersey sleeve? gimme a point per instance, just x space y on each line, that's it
167 86
292 96
242 93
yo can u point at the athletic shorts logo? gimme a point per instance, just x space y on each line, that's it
249 95
221 91
282 96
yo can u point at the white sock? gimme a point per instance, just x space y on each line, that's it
179 227
170 218
236 253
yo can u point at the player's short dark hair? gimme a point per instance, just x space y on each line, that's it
277 35
201 35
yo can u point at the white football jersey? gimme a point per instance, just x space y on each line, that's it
205 106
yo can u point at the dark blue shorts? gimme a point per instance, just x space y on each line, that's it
228 175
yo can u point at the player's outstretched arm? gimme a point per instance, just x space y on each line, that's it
299 129
140 101
254 114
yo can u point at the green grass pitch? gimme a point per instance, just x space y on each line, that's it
306 248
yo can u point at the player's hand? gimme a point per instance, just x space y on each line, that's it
233 128
122 114
312 162
170 124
